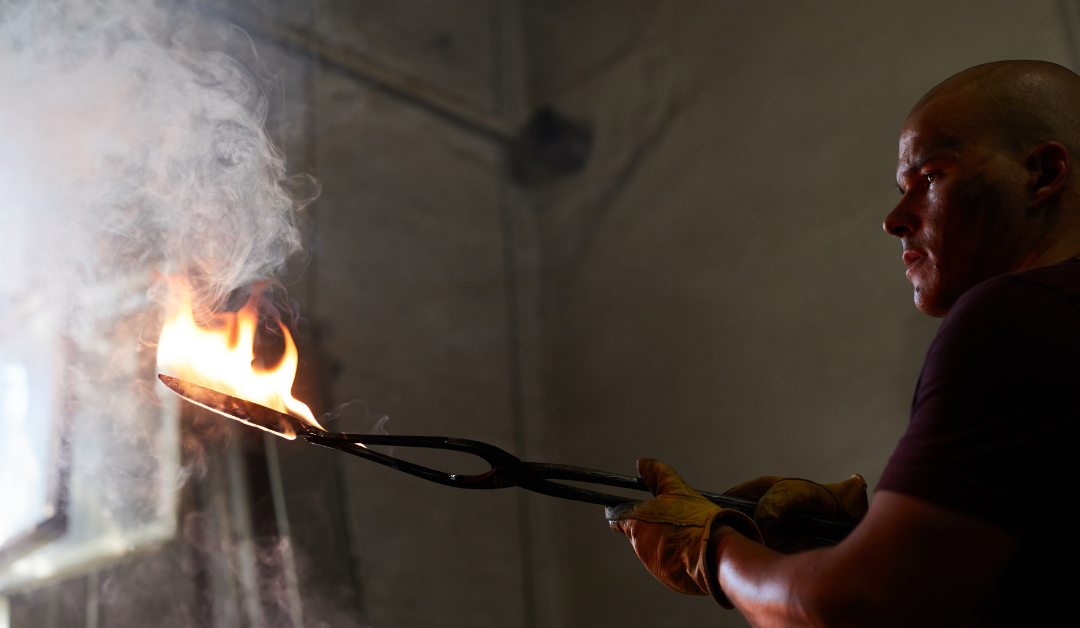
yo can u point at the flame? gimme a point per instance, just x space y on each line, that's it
220 357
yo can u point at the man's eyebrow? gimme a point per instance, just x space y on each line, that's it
915 167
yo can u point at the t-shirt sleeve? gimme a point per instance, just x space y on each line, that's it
995 402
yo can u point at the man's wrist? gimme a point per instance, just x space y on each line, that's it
713 553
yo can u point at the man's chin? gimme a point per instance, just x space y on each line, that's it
929 302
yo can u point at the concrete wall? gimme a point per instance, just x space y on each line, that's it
411 291
718 290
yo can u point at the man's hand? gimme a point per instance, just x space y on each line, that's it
671 532
779 498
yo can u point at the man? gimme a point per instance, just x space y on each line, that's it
969 524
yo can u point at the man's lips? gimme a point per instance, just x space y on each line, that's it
910 257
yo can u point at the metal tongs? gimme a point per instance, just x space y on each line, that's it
506 469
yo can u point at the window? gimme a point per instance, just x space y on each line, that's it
32 476
89 451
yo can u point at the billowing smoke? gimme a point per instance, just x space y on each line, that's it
129 144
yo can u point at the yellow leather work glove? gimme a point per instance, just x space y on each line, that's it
779 498
670 533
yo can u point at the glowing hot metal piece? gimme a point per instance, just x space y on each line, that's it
277 423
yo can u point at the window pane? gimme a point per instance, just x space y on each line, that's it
29 469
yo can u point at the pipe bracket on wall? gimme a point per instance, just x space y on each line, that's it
550 147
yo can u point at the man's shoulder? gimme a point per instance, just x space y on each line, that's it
1014 318
1039 293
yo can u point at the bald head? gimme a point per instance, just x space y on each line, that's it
1020 103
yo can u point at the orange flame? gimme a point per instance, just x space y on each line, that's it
220 357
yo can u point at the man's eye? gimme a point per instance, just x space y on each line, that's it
929 176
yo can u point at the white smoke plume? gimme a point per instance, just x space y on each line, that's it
129 144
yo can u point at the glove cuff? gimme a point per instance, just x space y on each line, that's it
743 525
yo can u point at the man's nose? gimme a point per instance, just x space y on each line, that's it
900 222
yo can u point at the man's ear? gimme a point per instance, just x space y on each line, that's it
1049 169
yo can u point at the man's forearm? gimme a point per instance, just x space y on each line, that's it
908 563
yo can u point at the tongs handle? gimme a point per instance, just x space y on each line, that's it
824 529
507 470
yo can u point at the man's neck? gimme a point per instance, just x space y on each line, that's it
1059 243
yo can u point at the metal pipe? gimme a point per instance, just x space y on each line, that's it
411 88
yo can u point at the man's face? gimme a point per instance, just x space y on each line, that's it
963 203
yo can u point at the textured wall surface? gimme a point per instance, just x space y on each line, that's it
718 290
411 290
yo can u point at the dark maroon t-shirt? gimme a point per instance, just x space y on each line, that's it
993 429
